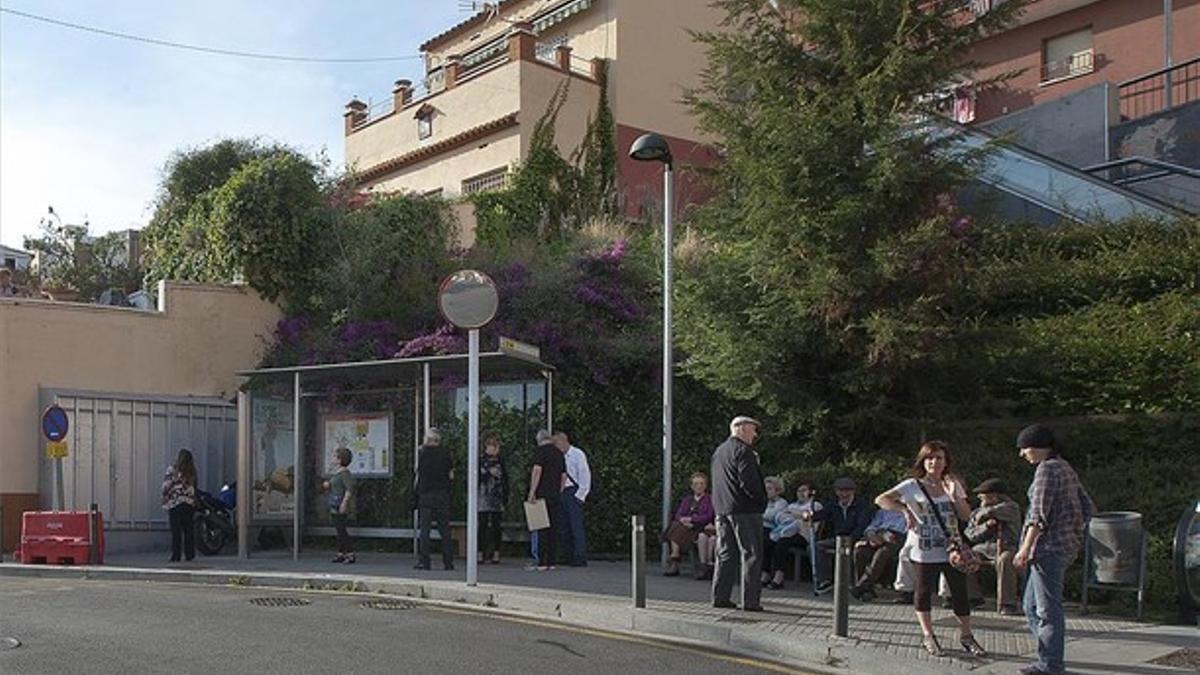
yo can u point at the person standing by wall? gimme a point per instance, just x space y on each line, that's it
578 487
340 488
739 499
434 473
1059 508
179 501
493 496
546 481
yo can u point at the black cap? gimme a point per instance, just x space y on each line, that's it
1035 436
991 485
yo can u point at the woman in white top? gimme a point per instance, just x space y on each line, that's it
932 480
776 504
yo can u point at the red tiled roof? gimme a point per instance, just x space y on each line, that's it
475 133
462 27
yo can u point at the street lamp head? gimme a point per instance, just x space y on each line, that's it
650 148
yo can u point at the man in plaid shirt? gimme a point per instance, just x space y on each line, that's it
1059 509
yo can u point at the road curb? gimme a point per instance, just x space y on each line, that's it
833 656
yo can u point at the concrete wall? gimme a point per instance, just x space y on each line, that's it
657 60
1172 136
1071 129
447 170
192 346
1127 38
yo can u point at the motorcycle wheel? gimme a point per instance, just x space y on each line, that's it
210 539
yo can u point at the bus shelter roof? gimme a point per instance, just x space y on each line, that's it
493 366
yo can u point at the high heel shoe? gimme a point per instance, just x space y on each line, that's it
930 643
972 646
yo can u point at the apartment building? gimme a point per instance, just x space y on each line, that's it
1108 87
490 78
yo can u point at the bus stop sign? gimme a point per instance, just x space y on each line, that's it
55 424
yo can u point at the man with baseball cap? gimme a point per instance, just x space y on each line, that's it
739 499
1059 509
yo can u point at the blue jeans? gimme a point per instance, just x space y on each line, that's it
1044 610
572 537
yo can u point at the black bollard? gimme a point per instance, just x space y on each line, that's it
638 559
842 571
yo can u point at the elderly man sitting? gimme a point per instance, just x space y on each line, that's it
848 516
876 551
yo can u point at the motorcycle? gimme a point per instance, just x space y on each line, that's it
215 521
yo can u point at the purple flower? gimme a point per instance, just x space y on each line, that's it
441 341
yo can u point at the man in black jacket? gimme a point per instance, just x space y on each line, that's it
434 473
739 498
848 516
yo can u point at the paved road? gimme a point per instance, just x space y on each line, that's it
98 627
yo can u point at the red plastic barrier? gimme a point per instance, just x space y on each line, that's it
61 538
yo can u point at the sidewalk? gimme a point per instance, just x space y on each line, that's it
795 629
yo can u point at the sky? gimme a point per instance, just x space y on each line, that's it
87 121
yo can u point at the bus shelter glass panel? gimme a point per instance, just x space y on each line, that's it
272 452
377 427
513 412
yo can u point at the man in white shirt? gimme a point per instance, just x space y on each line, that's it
573 538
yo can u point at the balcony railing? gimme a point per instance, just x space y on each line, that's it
1160 90
1079 63
493 180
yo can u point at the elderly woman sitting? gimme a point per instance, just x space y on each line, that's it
792 532
776 507
693 524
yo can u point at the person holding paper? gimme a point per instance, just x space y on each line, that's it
546 482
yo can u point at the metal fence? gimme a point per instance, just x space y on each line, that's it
120 445
1162 89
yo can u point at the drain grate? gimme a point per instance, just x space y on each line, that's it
388 604
280 602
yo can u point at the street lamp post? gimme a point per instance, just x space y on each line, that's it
653 148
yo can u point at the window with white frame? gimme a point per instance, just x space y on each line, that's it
1068 55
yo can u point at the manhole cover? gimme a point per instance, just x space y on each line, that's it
388 604
9 643
1186 658
280 602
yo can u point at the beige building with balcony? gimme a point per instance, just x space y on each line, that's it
490 78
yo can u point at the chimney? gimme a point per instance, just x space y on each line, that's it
356 114
522 42
401 94
453 70
562 56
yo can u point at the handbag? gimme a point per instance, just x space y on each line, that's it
962 558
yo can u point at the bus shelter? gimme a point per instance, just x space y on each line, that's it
291 421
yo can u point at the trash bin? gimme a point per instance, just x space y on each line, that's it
1115 540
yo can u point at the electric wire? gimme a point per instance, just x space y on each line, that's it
203 49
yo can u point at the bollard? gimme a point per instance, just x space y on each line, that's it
842 571
638 559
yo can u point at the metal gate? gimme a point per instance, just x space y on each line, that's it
120 445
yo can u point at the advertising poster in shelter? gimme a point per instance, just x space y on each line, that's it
273 447
368 437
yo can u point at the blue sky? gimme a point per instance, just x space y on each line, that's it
87 121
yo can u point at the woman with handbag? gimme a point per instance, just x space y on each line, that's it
179 501
933 501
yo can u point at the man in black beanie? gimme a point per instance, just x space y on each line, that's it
1059 509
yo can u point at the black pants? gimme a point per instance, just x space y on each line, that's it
183 526
777 556
489 533
548 538
440 513
927 583
343 537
